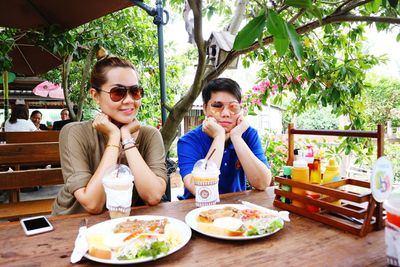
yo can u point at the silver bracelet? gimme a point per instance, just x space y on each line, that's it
128 141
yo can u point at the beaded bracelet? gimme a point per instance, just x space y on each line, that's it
133 145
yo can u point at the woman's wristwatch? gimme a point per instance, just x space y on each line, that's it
129 141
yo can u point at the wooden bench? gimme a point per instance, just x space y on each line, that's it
28 154
29 137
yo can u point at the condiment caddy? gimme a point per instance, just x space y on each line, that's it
344 203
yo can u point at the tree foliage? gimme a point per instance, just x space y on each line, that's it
320 42
382 101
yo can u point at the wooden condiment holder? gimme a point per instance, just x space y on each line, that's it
358 213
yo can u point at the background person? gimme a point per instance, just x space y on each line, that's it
36 118
238 150
89 148
58 125
18 121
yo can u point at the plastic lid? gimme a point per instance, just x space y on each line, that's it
332 165
287 170
204 168
301 163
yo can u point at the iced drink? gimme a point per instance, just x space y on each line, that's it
205 175
118 185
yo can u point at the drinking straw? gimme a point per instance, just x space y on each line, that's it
205 167
120 157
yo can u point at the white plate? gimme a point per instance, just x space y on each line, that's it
108 226
191 220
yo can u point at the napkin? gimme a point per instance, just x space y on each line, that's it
81 244
284 215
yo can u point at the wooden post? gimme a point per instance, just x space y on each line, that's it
380 140
290 145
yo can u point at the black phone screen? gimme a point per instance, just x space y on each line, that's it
36 223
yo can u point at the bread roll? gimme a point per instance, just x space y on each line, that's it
97 248
215 230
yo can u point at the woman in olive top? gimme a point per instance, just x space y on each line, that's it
89 148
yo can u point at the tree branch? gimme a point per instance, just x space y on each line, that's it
350 5
301 30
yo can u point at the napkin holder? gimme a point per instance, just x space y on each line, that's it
358 213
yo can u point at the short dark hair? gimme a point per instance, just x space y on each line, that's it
36 112
221 85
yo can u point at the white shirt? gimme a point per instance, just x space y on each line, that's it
20 126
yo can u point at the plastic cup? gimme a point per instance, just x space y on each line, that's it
206 175
392 229
118 185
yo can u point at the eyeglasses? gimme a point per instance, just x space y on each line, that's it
218 106
119 92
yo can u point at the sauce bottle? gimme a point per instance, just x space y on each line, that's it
287 173
315 176
300 173
332 174
310 158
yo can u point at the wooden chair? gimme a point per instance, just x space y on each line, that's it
28 154
30 137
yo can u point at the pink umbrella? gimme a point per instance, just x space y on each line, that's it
50 89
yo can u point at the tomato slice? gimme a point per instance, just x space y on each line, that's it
134 234
250 213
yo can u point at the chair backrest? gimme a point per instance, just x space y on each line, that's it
29 157
29 153
31 137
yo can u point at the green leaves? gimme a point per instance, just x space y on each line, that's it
374 5
299 3
295 40
282 33
250 32
276 26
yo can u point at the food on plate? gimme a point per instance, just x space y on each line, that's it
230 221
134 239
208 216
97 247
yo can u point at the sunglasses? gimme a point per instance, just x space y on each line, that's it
119 92
234 107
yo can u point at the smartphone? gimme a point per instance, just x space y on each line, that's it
36 225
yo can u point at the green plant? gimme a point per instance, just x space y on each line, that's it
276 153
392 152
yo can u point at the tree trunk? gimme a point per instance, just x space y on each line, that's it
83 85
66 67
170 129
237 19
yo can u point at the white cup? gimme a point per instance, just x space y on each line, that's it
206 176
118 186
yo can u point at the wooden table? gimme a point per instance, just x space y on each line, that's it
302 242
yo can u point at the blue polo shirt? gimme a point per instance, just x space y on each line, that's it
194 146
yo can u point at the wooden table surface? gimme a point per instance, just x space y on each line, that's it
302 242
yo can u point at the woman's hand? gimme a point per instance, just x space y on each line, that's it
103 124
212 128
131 127
240 127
